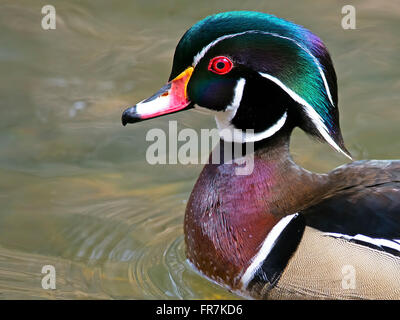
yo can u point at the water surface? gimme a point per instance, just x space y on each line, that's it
75 189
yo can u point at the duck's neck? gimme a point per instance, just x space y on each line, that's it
228 216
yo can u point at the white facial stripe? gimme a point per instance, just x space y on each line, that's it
237 98
229 133
266 248
223 118
203 51
311 113
393 244
201 54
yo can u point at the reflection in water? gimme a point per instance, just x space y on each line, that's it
75 189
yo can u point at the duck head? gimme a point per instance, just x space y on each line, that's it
253 71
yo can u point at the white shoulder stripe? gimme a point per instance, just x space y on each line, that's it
266 248
393 244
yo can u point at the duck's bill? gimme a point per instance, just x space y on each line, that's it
169 99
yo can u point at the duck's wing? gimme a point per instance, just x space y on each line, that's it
326 267
366 201
350 242
372 211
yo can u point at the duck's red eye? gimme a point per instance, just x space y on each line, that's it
220 65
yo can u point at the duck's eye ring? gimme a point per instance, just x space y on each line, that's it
220 65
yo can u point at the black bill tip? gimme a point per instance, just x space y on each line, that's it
130 116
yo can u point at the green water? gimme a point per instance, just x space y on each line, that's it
76 191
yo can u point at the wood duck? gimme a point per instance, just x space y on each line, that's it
281 232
